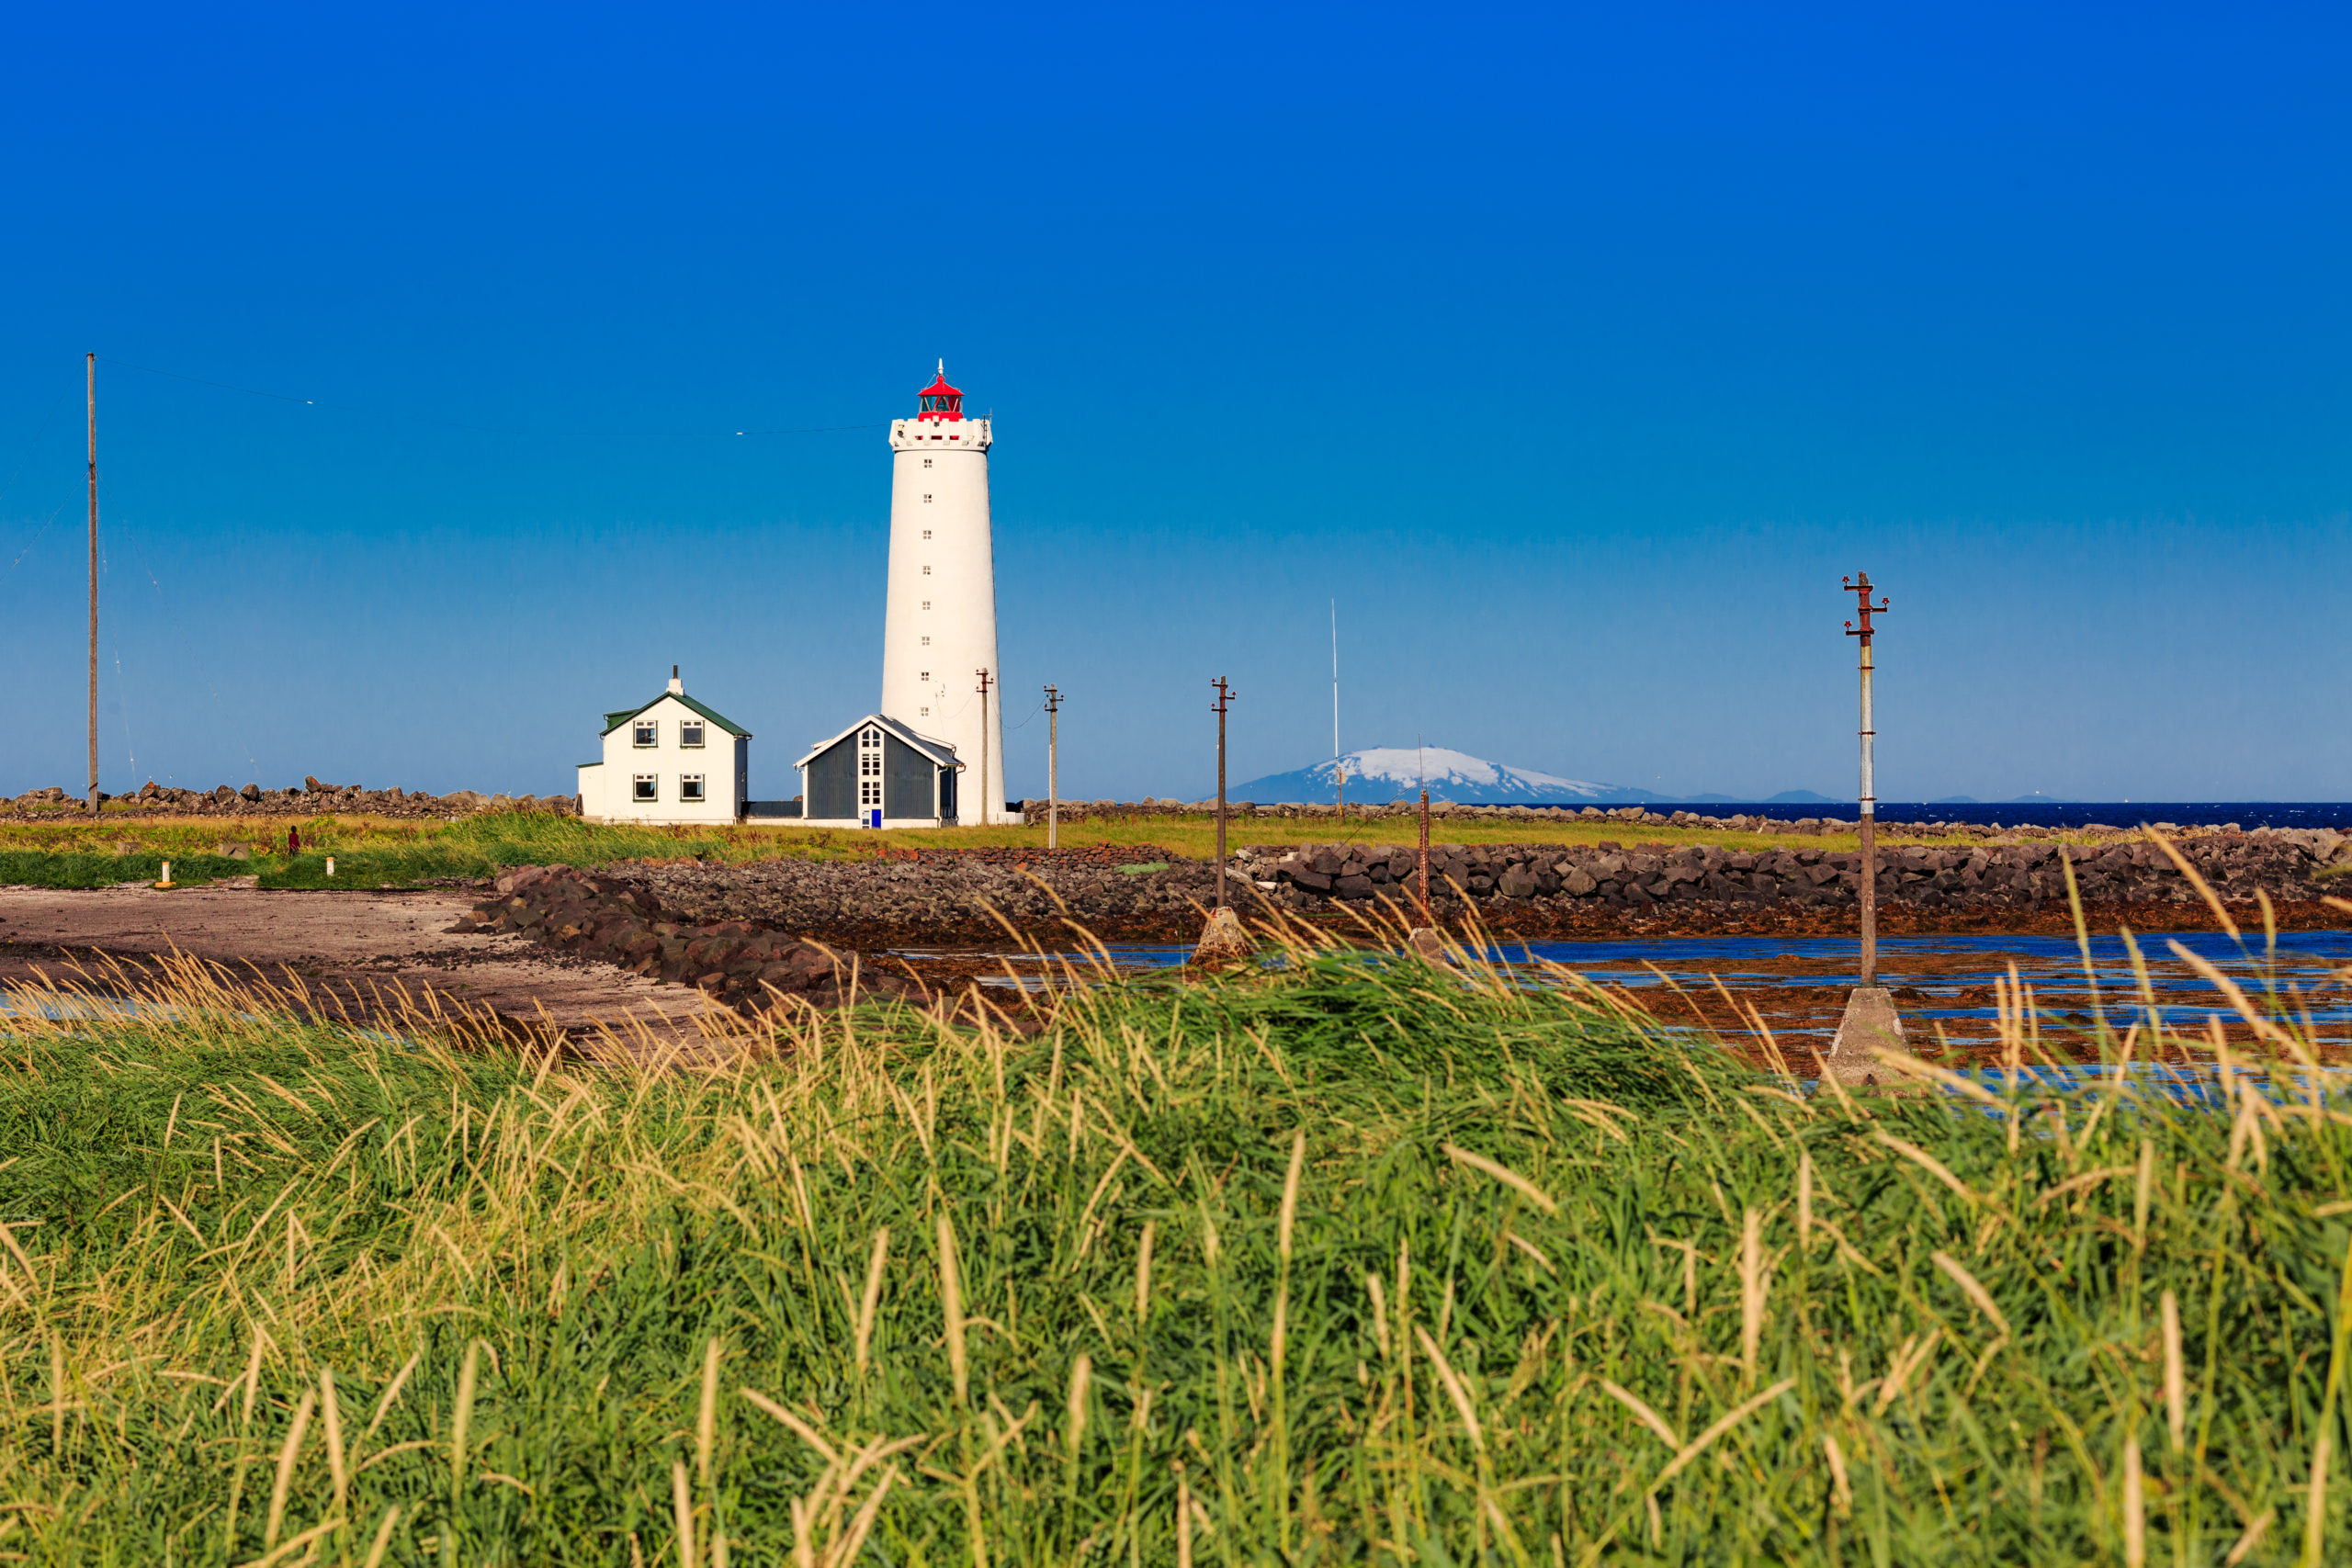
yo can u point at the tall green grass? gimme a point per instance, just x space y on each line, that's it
1354 1261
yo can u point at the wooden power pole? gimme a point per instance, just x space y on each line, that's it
1053 768
92 366
1224 698
985 678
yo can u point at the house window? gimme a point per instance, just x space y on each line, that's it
689 786
690 733
926 500
926 533
924 676
926 604
926 571
926 713
647 732
926 642
645 789
869 769
926 462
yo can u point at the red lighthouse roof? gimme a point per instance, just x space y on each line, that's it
941 401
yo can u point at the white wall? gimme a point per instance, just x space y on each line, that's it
606 792
960 588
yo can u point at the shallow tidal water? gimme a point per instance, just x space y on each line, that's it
1941 983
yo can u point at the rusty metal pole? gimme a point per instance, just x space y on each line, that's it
1861 586
1224 696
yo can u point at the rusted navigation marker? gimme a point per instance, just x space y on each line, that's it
1870 1019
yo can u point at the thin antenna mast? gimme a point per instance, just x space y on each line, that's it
1339 768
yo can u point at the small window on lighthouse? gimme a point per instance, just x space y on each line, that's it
926 713
926 500
924 676
926 604
926 462
926 642
926 571
926 533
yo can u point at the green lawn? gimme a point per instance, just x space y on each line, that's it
388 853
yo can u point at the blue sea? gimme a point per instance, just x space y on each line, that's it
2045 814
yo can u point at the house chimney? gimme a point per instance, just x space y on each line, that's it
675 684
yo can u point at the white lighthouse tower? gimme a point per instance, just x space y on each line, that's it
939 628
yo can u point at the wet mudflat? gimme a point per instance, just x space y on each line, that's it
368 956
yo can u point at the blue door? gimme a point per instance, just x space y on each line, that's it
874 817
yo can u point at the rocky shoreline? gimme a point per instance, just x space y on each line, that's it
311 799
2291 865
616 919
1034 813
950 899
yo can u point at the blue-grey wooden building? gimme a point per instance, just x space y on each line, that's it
880 774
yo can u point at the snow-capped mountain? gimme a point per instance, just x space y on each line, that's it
1385 773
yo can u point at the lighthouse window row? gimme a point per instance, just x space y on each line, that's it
648 788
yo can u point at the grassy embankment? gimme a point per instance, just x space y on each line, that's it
1346 1263
386 852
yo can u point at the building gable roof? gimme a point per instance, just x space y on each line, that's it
615 720
940 752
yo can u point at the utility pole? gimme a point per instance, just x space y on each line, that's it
1053 768
984 748
1860 585
1422 761
1339 768
1224 698
92 364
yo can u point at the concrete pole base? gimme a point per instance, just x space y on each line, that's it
1425 944
1222 941
1871 1023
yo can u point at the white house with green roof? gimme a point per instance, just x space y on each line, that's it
670 761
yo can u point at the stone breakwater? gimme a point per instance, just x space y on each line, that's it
946 898
311 799
1034 813
2290 866
958 900
619 920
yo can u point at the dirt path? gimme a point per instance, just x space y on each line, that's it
365 953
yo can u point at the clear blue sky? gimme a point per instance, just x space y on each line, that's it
1577 353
